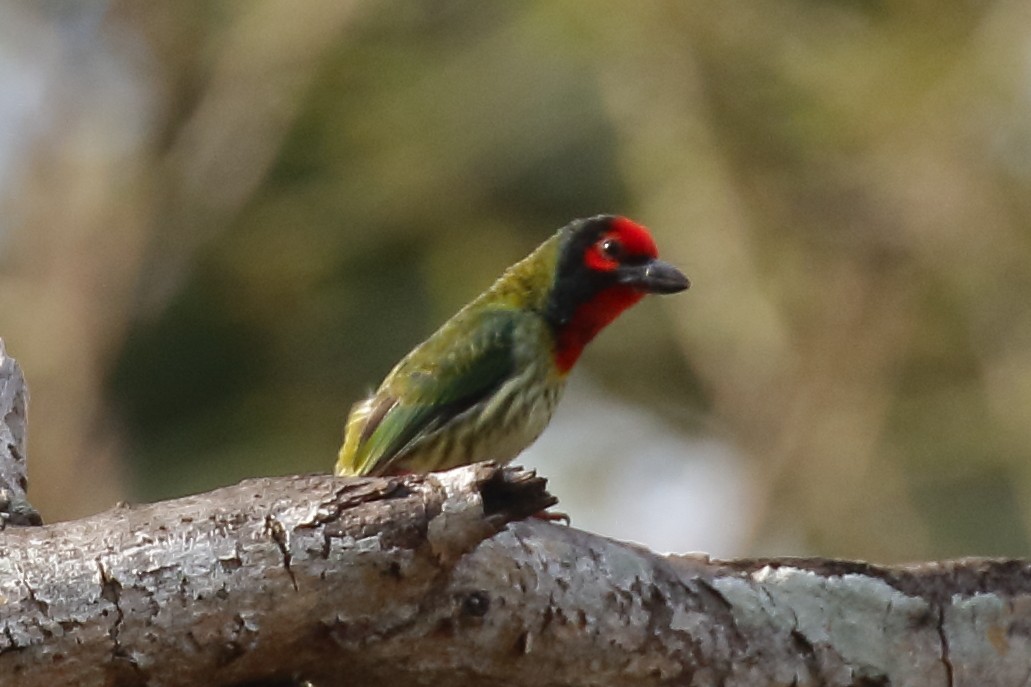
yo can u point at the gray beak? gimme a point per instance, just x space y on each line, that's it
654 276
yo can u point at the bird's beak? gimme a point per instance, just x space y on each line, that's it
654 276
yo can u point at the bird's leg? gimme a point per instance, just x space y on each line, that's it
552 516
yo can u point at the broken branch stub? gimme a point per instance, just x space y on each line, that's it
242 583
15 508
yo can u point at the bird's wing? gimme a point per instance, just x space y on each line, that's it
450 372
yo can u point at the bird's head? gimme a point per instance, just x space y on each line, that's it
605 264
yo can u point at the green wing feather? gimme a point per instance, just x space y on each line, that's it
460 365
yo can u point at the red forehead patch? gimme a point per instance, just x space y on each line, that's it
636 239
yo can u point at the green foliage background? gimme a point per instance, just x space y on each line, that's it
224 221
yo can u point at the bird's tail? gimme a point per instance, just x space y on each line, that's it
347 460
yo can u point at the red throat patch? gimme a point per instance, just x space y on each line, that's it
589 319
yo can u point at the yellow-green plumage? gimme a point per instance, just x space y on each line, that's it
499 343
484 385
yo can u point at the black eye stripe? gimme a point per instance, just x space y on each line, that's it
575 281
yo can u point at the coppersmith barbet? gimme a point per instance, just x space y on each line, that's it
484 386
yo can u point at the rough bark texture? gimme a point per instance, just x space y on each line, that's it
433 580
266 579
395 581
14 401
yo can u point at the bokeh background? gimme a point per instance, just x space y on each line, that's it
222 222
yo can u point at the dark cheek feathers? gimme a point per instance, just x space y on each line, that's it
589 318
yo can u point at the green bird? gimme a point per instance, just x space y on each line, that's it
484 385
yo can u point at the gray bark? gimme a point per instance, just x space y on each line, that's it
394 581
436 580
14 402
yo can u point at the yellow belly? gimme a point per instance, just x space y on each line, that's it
498 430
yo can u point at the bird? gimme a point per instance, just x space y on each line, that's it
485 384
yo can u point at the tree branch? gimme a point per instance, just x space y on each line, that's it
385 580
433 579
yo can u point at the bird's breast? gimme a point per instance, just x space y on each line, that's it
498 428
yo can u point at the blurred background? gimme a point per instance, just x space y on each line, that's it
221 223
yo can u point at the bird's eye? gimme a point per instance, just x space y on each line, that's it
611 248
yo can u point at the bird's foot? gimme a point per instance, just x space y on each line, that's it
552 516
